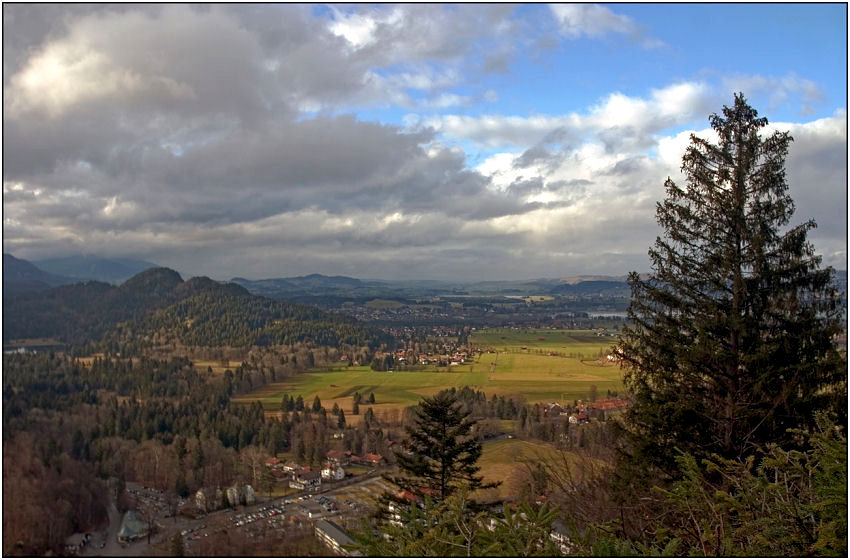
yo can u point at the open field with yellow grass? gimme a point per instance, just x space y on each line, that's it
509 460
553 366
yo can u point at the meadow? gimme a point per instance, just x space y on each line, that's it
541 365
511 461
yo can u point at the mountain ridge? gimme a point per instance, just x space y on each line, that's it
114 270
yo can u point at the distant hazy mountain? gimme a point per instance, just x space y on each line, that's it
310 289
20 276
82 267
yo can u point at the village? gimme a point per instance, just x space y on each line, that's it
320 503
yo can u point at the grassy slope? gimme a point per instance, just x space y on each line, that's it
508 460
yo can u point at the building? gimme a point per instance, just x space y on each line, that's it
374 460
404 500
240 495
338 458
209 499
334 537
559 535
132 528
333 472
580 418
306 480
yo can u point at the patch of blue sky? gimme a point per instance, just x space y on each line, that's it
790 44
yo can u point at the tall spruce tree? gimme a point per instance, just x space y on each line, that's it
443 451
730 342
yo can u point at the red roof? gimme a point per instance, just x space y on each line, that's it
272 461
371 457
610 404
407 495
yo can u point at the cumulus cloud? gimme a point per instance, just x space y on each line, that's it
619 120
577 20
780 89
223 140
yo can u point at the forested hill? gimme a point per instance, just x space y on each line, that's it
80 312
237 318
200 312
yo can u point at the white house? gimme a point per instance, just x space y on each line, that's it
306 480
333 472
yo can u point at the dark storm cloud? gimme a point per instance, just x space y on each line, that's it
194 119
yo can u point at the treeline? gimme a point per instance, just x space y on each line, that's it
534 421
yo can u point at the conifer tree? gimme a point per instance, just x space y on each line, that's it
730 342
444 453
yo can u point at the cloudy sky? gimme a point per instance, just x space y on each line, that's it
397 141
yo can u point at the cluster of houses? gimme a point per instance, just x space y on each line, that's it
454 356
597 409
583 412
303 477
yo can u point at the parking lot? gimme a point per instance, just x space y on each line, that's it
272 518
268 519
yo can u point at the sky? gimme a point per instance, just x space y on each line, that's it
417 141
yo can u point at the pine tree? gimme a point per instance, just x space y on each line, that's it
444 453
730 342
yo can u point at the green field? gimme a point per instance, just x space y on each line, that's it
560 368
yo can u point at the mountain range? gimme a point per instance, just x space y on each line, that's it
316 288
157 303
21 276
87 267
